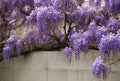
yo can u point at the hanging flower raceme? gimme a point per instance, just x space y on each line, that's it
114 7
81 16
18 46
11 40
112 25
75 16
48 15
96 32
11 44
108 44
100 70
29 36
32 18
92 29
99 33
48 20
79 42
68 52
7 51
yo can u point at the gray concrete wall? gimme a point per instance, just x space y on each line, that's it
52 66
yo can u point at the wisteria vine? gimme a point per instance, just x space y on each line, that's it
76 25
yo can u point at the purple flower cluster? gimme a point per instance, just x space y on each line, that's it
11 40
96 32
100 70
71 23
75 16
32 18
79 42
81 15
9 6
80 45
16 43
92 31
18 46
109 43
7 51
48 20
48 15
12 43
92 27
112 25
68 52
114 7
65 6
99 33
99 20
38 3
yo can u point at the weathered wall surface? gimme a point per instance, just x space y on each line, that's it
52 66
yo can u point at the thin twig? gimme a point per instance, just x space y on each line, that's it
118 60
19 24
65 23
